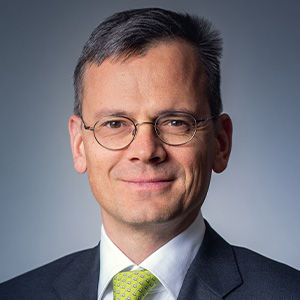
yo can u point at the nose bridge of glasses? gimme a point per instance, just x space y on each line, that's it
141 123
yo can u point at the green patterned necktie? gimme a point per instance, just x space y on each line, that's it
133 285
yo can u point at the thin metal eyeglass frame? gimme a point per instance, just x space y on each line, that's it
134 132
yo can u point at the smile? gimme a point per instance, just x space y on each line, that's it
150 184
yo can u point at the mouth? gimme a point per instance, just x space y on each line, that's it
149 184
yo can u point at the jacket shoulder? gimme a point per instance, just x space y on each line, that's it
37 283
266 275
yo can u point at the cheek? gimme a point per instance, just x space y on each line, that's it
192 159
196 162
100 162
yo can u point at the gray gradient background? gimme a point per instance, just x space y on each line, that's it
47 210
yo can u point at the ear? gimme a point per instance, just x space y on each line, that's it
223 142
77 146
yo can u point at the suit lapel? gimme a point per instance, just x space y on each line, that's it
214 272
212 275
79 280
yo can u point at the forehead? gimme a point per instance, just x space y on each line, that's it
168 76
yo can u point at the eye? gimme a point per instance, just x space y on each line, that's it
176 123
114 124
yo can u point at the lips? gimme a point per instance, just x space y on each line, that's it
149 183
141 180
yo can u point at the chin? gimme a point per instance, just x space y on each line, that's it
151 215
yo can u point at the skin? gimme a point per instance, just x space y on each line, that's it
149 192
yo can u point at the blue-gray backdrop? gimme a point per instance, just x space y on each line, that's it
47 210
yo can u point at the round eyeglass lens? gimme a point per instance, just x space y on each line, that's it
114 132
176 128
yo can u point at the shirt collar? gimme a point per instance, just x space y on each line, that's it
169 263
112 261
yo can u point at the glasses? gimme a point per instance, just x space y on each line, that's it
118 132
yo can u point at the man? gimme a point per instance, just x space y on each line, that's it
148 129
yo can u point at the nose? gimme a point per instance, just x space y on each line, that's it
146 146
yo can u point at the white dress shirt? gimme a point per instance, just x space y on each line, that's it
169 263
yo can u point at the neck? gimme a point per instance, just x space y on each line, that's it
138 241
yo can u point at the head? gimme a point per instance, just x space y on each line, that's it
139 64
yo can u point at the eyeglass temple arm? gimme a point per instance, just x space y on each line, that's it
207 119
85 126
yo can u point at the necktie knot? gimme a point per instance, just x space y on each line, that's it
133 285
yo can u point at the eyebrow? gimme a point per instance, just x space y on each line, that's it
110 112
182 109
117 112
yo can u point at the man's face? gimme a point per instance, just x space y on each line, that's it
147 182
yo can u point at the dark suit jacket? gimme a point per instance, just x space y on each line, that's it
219 271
